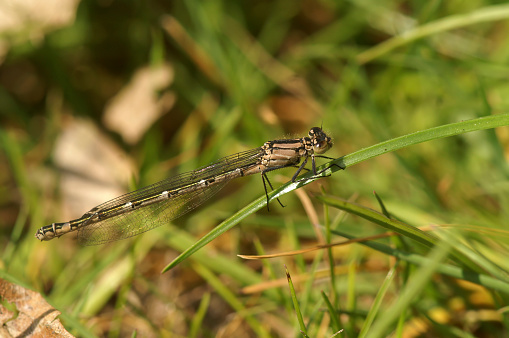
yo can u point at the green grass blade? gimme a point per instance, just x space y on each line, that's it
198 317
446 269
404 141
348 160
382 206
377 303
490 13
239 271
296 304
411 291
231 299
407 230
399 227
336 325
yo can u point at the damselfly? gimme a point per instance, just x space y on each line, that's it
159 203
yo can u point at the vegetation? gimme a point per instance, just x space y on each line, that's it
111 96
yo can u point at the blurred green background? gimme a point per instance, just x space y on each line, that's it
101 97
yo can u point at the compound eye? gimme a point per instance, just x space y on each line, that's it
321 147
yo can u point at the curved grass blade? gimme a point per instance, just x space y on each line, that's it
296 306
500 284
333 314
486 14
425 238
377 303
347 161
411 291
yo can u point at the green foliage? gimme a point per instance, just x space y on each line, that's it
413 93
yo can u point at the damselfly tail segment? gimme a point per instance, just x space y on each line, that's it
144 209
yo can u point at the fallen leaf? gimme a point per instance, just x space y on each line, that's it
25 313
133 111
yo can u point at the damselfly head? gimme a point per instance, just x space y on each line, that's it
321 142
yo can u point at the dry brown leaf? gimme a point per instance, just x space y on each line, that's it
30 19
33 316
93 168
132 111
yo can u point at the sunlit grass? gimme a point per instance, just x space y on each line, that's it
413 95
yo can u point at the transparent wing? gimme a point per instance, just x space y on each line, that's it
147 217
